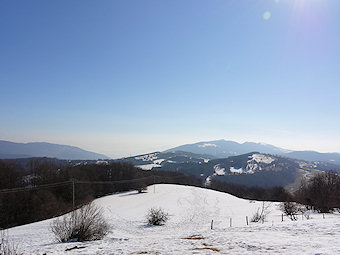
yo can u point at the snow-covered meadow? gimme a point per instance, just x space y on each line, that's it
188 231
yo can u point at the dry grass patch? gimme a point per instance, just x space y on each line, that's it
194 237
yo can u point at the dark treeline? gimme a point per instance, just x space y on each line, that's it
45 189
275 194
321 193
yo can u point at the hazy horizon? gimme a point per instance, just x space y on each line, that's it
166 147
126 78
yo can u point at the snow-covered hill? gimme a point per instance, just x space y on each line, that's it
251 169
223 149
191 211
159 159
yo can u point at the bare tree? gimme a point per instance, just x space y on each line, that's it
7 247
291 209
261 214
84 224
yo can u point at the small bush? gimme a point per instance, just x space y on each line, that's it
84 224
7 247
261 214
291 209
157 216
140 187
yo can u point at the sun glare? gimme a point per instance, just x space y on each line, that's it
299 4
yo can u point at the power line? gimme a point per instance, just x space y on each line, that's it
112 182
51 185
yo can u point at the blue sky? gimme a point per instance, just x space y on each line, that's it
129 77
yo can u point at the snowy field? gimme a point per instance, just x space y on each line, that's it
189 231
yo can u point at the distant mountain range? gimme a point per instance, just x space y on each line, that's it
251 164
250 169
10 150
223 149
197 152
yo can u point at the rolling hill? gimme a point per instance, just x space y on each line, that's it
250 169
224 149
10 150
188 230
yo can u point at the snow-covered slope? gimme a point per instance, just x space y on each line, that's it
159 159
252 169
191 211
223 149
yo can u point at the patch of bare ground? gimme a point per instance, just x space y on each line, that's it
75 247
194 237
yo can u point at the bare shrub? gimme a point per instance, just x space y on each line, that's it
261 214
84 224
157 216
140 187
306 213
290 209
7 247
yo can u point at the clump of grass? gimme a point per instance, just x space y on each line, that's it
194 237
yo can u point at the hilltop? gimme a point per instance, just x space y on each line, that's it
191 210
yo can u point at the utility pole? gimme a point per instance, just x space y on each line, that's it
73 195
154 184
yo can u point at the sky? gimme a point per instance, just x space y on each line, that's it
130 77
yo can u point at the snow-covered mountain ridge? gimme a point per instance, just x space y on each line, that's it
250 169
159 159
223 149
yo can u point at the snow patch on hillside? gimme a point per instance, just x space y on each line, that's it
148 166
218 170
158 161
148 157
236 170
260 158
255 161
207 145
102 162
208 180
